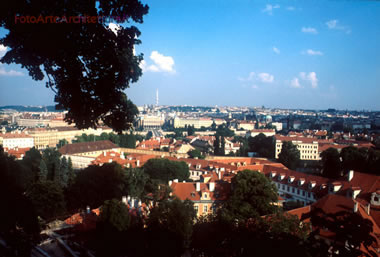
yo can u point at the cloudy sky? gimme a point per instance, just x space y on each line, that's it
287 54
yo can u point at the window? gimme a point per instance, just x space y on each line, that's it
205 208
288 188
303 193
283 187
293 190
298 191
308 194
205 196
196 208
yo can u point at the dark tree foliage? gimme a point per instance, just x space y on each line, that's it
290 155
96 184
61 143
169 228
196 154
262 145
165 170
276 235
118 233
86 64
190 130
47 198
31 161
251 197
138 183
224 131
361 159
19 226
351 231
331 163
149 135
52 160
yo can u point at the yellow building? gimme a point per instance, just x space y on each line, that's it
49 137
308 147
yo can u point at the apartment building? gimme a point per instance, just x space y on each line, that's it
16 140
49 137
308 147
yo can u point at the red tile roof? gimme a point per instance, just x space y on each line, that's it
87 147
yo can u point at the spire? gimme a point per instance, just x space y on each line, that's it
157 97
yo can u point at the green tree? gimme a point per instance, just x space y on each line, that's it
32 161
169 228
111 229
61 143
217 146
149 135
251 197
42 175
190 130
52 160
262 145
223 146
196 154
224 131
63 172
47 198
70 172
213 126
19 226
351 232
289 155
331 163
88 74
137 183
165 170
96 184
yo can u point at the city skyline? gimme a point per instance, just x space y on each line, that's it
291 54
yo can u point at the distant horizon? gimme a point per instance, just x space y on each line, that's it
210 106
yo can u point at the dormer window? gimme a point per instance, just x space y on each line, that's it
281 177
301 181
311 184
273 174
192 194
290 179
198 166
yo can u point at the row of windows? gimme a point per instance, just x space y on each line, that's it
308 157
293 190
308 151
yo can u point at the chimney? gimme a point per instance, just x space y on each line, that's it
88 210
138 163
198 186
124 199
356 205
170 182
350 175
212 186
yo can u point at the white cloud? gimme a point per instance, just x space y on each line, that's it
276 50
11 73
334 24
265 77
3 50
260 77
311 77
269 8
114 27
295 83
161 63
290 8
309 30
312 52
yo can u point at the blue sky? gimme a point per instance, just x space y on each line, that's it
286 54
